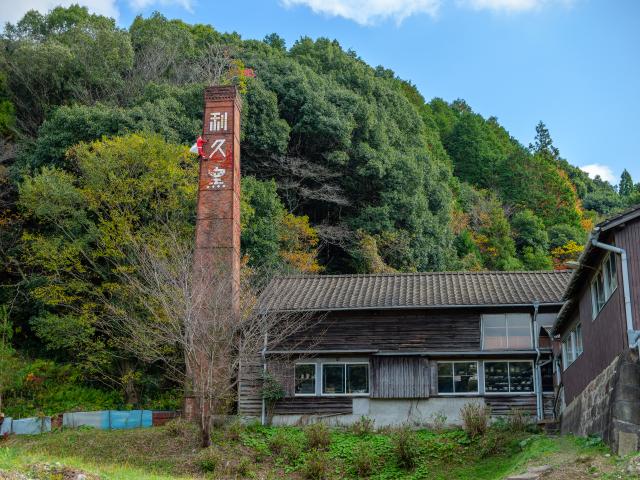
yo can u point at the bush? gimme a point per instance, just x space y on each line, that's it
364 460
317 466
285 446
439 421
233 430
179 427
209 460
318 436
475 418
362 427
518 420
406 446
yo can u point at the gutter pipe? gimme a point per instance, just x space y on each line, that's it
537 372
632 334
263 414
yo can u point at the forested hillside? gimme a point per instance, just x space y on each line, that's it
346 168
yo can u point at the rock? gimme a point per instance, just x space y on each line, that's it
525 476
542 469
583 459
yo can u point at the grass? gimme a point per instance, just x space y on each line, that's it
284 452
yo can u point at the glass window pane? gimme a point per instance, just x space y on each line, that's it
496 376
600 291
494 332
578 334
613 279
521 376
332 379
445 377
305 379
519 330
357 378
465 377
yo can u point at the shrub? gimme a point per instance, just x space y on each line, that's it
243 467
364 460
362 427
406 446
233 430
439 421
518 420
316 466
285 446
475 418
209 460
179 427
318 436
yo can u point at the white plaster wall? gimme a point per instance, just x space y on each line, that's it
390 412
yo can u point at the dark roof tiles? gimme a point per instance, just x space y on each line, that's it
413 290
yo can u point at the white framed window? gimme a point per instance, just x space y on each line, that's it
305 379
459 377
572 346
507 331
603 285
508 376
345 378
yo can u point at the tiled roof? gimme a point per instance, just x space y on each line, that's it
413 290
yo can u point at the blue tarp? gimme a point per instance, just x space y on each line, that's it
109 419
26 426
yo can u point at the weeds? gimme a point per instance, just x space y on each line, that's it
362 427
179 427
475 418
317 466
365 461
285 446
518 420
439 421
406 446
318 436
210 459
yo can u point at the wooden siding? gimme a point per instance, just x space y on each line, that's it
249 386
314 406
604 337
399 377
451 330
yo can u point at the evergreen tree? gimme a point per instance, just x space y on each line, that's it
625 188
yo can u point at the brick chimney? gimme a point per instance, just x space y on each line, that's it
217 248
218 206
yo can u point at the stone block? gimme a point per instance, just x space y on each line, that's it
627 443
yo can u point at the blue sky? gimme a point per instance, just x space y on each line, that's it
575 64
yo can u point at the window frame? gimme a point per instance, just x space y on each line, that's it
315 380
571 339
508 361
344 365
605 274
483 337
454 393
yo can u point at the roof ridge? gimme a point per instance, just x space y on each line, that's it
416 274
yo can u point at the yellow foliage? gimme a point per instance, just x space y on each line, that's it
567 252
298 243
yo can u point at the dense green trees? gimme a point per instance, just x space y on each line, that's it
346 169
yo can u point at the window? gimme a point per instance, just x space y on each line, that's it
457 377
508 377
305 379
506 331
603 284
572 346
345 378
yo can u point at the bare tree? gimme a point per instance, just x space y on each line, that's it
169 312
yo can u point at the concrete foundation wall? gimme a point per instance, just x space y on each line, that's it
390 412
609 406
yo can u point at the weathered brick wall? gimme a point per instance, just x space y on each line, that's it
609 406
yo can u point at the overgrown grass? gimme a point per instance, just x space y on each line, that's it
286 452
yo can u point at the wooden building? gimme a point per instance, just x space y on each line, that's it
408 347
601 316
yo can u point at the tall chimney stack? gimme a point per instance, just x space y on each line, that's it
218 206
217 249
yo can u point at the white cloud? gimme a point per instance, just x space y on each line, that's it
603 171
512 6
367 12
14 11
138 5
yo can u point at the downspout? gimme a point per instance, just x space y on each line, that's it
632 333
263 415
537 371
